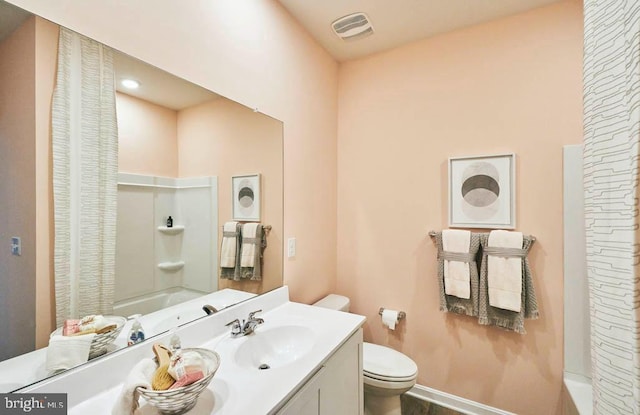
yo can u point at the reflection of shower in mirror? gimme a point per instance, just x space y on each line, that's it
158 266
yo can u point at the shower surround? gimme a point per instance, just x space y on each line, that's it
152 258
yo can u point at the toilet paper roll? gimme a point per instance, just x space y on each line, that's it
390 318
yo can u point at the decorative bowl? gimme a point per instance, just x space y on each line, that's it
101 341
180 400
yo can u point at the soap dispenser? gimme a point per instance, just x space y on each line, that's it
136 334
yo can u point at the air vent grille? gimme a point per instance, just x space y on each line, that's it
353 26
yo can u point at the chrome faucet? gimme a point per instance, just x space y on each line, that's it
247 327
209 309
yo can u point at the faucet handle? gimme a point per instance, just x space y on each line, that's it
253 313
235 327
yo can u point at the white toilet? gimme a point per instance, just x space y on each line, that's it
387 373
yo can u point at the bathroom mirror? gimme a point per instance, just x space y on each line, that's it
179 147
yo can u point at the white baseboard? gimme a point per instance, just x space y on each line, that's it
456 403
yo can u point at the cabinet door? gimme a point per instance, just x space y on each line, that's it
307 400
342 388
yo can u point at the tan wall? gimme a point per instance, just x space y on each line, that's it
147 137
512 85
223 138
17 190
46 63
271 64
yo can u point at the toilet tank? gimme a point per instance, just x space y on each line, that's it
334 302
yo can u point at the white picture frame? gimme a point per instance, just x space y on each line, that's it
246 197
482 191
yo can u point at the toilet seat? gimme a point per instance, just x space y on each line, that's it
385 364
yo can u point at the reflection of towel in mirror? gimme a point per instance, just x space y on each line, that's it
65 352
230 251
253 244
140 376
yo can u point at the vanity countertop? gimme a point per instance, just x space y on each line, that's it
28 368
238 387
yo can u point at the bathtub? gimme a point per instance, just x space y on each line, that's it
173 315
150 303
578 395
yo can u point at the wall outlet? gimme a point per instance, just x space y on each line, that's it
16 246
291 247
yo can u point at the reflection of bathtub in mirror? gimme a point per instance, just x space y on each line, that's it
28 368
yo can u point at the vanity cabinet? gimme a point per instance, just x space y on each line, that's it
335 388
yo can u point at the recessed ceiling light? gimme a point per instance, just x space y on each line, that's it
130 83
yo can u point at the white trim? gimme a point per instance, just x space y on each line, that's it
159 182
456 403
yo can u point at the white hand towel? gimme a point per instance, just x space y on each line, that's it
504 275
249 246
228 252
140 376
456 273
65 352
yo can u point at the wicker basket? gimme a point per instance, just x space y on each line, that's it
100 342
180 400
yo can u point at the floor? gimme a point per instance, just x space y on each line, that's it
415 406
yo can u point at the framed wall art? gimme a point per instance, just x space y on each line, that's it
482 192
246 197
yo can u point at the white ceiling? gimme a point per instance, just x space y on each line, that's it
158 86
397 22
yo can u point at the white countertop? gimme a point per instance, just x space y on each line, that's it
30 367
234 389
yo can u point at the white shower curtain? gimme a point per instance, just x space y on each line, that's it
611 162
85 168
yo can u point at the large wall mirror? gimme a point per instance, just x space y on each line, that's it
180 146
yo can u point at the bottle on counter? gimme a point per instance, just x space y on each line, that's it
169 222
136 335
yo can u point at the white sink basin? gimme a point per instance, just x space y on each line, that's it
270 348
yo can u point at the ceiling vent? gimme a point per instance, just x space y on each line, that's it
353 26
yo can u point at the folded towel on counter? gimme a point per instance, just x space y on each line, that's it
253 244
140 376
500 317
456 269
230 251
504 271
65 352
451 303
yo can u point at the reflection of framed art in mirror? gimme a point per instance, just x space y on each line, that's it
246 197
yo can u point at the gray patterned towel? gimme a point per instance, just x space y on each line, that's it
254 272
450 303
232 273
505 319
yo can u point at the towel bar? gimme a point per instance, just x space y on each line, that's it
266 228
401 314
433 234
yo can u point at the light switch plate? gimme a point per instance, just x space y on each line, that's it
291 247
16 246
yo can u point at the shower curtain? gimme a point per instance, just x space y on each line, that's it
85 167
611 162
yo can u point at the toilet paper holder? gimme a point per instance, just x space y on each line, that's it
401 314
